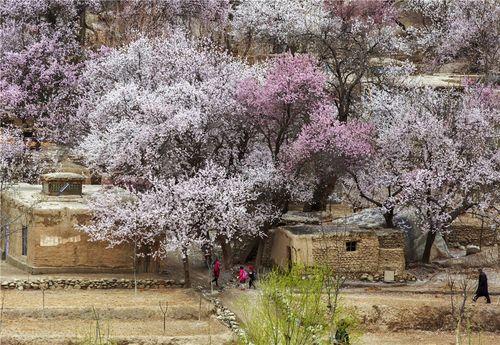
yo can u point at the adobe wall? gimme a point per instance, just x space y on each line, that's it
469 234
376 250
391 250
331 250
391 259
301 248
55 246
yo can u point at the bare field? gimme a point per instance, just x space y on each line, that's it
68 317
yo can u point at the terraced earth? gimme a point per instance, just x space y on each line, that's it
68 317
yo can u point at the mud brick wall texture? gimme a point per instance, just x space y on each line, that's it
467 234
391 259
369 256
332 251
354 251
54 243
391 239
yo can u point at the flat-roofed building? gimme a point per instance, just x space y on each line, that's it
40 233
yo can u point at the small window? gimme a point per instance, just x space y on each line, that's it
24 239
351 246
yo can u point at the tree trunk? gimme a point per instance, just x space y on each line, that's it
426 257
82 11
185 263
320 196
135 268
260 254
389 218
207 253
227 254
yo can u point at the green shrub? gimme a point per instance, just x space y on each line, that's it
294 308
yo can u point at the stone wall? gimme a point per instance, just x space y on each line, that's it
391 238
470 234
88 284
391 259
331 250
377 250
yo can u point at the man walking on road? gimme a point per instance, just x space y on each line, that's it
482 287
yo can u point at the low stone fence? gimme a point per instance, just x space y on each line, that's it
88 284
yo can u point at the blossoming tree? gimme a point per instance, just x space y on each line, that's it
40 51
436 152
458 29
346 36
158 116
291 110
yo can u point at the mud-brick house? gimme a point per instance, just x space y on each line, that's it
349 249
40 234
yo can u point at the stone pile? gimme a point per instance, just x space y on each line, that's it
88 284
401 278
222 313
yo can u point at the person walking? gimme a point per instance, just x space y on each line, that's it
482 287
252 276
216 272
242 277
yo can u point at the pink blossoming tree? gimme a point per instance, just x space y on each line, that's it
291 111
325 149
283 101
40 51
344 35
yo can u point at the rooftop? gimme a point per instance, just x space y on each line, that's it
327 229
57 176
31 196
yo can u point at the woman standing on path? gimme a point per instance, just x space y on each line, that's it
216 272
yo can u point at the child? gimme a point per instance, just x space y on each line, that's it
242 277
251 277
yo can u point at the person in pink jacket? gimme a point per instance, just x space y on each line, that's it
242 277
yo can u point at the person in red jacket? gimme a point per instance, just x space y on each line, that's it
216 272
